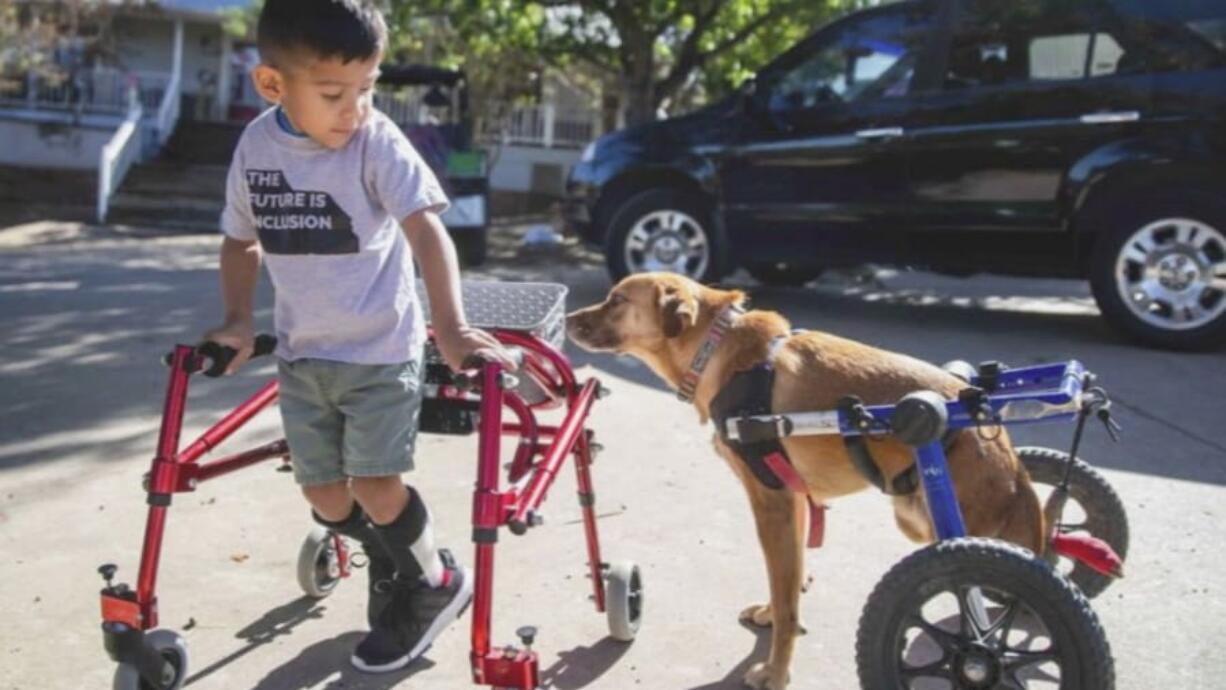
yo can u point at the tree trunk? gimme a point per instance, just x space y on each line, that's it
638 82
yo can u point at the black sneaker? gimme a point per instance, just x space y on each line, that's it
407 627
382 571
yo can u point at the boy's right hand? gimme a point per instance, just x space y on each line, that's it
238 335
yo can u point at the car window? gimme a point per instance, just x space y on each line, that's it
1064 56
1009 41
1182 35
865 59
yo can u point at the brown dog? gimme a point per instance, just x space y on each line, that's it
663 319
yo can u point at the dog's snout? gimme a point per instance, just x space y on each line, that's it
577 325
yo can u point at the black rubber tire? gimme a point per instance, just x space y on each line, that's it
650 201
1072 626
173 649
1118 226
1105 514
472 246
783 274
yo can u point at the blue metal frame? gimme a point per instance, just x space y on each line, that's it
1027 395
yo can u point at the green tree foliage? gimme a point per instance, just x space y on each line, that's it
654 53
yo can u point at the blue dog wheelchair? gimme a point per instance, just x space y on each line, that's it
969 613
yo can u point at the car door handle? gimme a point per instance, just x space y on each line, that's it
1110 118
880 133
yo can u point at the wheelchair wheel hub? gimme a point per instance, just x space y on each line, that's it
977 666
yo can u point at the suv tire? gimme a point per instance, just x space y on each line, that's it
665 230
1158 270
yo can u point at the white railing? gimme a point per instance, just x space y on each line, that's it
400 108
545 125
118 155
94 90
532 125
168 112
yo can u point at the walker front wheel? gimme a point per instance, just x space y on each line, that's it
173 649
975 614
624 600
319 568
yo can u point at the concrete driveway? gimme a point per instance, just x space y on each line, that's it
84 317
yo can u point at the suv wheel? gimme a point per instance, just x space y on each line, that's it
1159 274
665 230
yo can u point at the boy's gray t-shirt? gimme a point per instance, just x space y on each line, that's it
328 223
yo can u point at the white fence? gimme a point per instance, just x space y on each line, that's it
533 125
544 125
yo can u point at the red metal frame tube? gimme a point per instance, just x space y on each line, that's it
487 514
583 463
230 463
557 359
162 480
232 422
539 429
562 444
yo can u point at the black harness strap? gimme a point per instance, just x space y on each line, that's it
748 394
904 483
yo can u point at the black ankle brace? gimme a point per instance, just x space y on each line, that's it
400 534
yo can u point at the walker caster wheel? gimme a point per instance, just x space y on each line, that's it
980 613
173 649
1093 507
319 568
624 600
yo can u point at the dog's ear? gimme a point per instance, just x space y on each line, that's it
678 311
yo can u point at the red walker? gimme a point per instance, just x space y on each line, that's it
157 658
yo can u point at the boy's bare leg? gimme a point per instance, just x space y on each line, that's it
332 501
383 498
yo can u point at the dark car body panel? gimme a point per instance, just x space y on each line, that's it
1002 178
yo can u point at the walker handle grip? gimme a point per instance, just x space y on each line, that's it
220 356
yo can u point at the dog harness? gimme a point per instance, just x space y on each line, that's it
748 394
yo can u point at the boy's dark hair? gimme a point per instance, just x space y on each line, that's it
348 29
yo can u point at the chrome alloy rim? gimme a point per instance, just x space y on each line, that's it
668 241
1172 274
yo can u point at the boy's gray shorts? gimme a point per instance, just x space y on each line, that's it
349 420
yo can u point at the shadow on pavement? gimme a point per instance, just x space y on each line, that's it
274 623
581 666
733 680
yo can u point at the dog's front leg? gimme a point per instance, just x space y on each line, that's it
780 520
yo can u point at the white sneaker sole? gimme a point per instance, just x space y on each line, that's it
454 609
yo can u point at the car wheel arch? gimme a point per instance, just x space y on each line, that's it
1099 198
630 184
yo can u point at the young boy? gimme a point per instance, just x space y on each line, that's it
332 194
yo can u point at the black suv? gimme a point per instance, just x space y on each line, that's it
1078 138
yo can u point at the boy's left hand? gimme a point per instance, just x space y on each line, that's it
460 345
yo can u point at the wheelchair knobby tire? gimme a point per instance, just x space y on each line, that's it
1075 637
1105 514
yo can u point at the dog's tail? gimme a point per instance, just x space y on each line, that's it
1025 524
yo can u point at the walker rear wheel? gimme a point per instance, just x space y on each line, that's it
624 600
173 649
319 567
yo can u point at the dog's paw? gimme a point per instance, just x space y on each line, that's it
762 676
758 614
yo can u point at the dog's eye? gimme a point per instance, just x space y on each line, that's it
616 299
